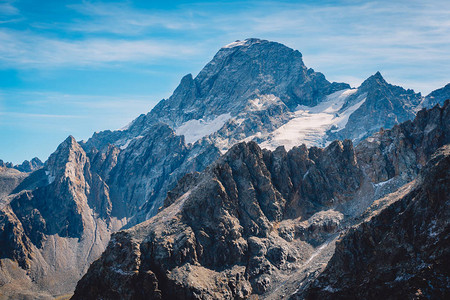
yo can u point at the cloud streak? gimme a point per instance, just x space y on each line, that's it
14 115
121 19
19 49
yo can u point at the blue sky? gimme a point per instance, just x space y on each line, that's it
75 67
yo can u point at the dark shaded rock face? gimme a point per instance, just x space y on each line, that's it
406 148
263 222
149 167
402 252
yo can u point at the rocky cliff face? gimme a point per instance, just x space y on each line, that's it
231 245
57 228
265 223
380 105
401 251
149 167
405 149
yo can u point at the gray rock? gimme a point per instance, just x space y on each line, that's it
225 236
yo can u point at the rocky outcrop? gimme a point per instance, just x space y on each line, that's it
30 166
231 245
254 222
380 104
401 251
26 166
6 164
437 97
404 150
57 228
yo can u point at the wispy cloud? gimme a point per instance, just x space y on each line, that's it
115 111
121 18
21 49
7 8
9 13
40 116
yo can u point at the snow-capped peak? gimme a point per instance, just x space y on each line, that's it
245 42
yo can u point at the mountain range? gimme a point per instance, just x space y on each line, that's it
235 185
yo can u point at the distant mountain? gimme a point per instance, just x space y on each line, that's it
58 218
26 166
238 75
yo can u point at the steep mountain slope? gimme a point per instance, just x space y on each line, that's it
149 167
53 232
238 73
380 104
268 220
402 251
9 179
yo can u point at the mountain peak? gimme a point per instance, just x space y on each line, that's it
378 77
69 142
67 151
247 42
374 80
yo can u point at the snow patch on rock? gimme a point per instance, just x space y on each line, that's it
193 130
237 44
310 124
262 102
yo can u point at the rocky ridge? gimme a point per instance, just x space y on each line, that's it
269 220
401 251
26 166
